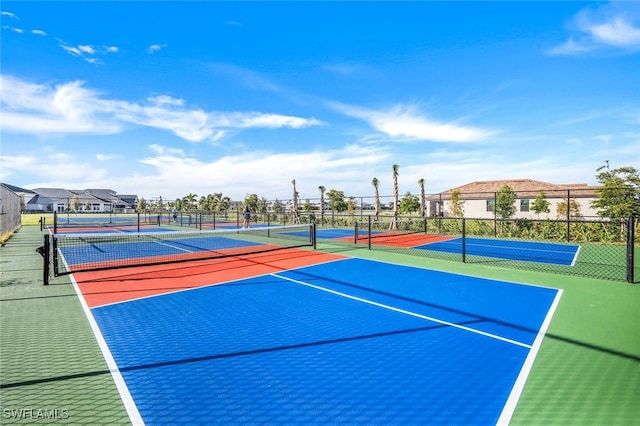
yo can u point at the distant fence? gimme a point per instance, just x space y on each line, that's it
9 211
597 249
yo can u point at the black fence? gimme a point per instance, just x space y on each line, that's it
598 249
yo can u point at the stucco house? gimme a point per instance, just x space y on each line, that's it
477 199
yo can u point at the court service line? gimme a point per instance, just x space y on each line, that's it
402 311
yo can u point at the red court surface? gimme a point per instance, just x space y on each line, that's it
119 285
403 240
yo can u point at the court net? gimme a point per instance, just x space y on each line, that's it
90 252
86 222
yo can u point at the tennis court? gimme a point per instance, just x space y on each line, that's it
300 336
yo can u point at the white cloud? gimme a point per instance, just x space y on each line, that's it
614 26
155 48
8 15
405 123
38 32
71 108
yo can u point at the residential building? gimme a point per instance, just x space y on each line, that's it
477 199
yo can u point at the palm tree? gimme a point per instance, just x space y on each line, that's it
375 182
189 201
423 198
296 218
322 189
394 222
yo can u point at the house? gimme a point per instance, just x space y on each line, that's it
78 200
477 199
25 195
116 203
60 200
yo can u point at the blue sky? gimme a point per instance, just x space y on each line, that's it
170 98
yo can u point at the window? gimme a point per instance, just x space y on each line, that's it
491 205
524 205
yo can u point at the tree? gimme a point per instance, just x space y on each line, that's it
351 205
262 204
409 203
568 208
189 201
423 198
619 195
307 206
336 200
251 201
322 189
277 206
75 203
394 222
141 205
376 192
202 203
540 204
457 204
505 202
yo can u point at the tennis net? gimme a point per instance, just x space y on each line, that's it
90 252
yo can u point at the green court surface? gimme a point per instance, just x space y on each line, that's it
52 370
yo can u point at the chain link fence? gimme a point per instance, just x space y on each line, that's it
597 249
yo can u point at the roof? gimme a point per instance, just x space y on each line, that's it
54 193
522 188
17 189
103 194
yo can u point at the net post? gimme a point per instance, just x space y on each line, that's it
369 233
464 241
55 222
630 250
313 236
46 254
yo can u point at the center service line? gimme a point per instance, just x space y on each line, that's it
402 311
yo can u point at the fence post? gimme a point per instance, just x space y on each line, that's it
568 215
630 250
464 241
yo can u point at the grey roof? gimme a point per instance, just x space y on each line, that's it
54 193
17 189
103 194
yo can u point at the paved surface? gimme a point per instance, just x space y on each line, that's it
52 371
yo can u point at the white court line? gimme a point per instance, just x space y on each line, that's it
402 311
123 390
516 391
575 257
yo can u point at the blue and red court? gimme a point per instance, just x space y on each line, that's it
299 336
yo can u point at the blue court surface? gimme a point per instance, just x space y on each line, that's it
350 341
119 250
528 251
